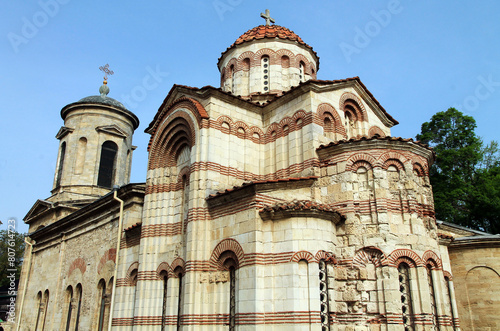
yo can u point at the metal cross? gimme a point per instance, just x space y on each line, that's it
106 71
267 17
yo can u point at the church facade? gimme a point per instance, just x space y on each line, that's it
274 202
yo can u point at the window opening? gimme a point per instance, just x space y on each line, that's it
323 295
102 311
164 305
45 307
61 164
265 72
80 293
40 309
70 307
406 303
107 164
232 298
232 79
179 302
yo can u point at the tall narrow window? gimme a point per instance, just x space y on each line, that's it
245 78
102 310
80 156
69 299
79 293
179 302
435 321
40 309
185 201
323 296
107 164
266 72
406 302
45 307
233 85
302 73
229 261
164 303
232 298
61 164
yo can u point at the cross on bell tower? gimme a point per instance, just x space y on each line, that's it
267 17
106 71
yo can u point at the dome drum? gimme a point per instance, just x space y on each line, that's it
267 59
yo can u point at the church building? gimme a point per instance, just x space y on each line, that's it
276 201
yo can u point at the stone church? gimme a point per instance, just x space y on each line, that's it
276 201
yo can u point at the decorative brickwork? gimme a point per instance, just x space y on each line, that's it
176 133
164 267
303 255
238 197
433 259
110 255
404 255
178 266
369 255
375 130
223 246
349 98
78 263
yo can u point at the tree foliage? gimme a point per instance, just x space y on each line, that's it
466 174
11 254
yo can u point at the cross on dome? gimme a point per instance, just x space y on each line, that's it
106 71
267 17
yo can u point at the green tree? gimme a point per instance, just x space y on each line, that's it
11 254
465 174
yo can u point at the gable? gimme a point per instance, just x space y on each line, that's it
63 131
114 130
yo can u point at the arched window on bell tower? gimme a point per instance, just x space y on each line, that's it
61 164
107 164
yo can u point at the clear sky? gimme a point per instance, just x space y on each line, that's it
416 57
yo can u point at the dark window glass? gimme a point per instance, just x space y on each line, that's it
61 163
107 164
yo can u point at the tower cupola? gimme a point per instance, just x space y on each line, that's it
266 61
95 150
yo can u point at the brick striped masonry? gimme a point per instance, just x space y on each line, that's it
295 317
363 256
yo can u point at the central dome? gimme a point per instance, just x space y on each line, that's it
266 61
269 31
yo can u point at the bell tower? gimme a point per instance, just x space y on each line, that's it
95 149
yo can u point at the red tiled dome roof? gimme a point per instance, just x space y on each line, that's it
271 32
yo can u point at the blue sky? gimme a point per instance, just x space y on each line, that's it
416 57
